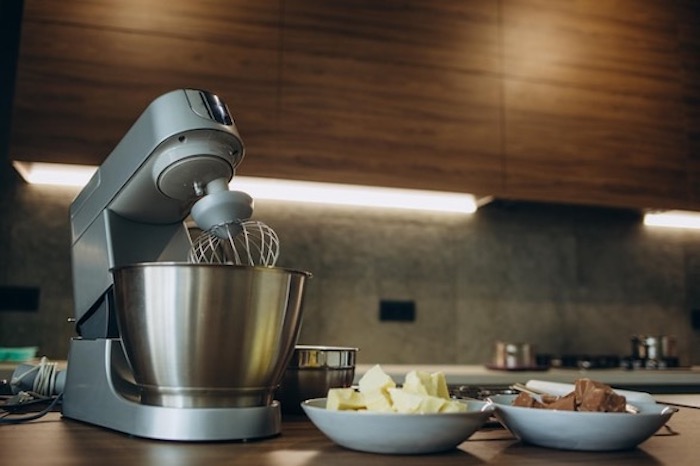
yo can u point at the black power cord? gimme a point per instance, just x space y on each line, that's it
12 409
34 393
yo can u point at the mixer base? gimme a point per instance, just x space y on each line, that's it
99 391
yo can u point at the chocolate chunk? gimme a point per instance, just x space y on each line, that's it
588 395
563 403
596 396
582 386
526 401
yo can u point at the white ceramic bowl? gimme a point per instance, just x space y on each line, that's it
394 433
576 430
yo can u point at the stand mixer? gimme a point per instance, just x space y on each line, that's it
169 349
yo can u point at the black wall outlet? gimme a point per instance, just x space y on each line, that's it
695 319
397 311
19 298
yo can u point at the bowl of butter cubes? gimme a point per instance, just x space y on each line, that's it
379 416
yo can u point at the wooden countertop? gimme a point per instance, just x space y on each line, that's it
54 440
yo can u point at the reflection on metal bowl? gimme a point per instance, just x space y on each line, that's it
206 335
314 370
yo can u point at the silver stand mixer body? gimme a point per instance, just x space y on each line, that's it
132 211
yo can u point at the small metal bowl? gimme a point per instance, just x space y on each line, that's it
314 370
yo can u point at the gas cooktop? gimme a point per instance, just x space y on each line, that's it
605 361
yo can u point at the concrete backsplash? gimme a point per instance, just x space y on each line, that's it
569 279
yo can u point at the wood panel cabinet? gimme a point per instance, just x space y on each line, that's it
587 101
594 102
689 46
88 69
393 93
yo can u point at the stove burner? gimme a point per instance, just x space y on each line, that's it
580 361
637 363
604 361
480 392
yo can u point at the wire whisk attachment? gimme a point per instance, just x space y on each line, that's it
245 243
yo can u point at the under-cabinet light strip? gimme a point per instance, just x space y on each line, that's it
673 219
57 174
282 190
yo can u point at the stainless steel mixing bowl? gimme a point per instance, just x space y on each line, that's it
312 371
208 335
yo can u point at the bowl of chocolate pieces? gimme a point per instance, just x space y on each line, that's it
592 417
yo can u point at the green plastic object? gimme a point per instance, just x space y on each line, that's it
18 354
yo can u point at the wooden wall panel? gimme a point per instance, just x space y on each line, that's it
689 45
594 102
587 101
89 68
393 93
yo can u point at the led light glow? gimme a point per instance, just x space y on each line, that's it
354 195
282 190
59 174
673 219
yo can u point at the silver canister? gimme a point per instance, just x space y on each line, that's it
514 355
654 348
312 371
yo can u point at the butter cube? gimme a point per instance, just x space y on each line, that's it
404 401
374 386
439 384
375 379
454 406
423 383
340 399
432 404
378 400
421 393
418 382
412 403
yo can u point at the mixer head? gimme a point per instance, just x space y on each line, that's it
219 206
